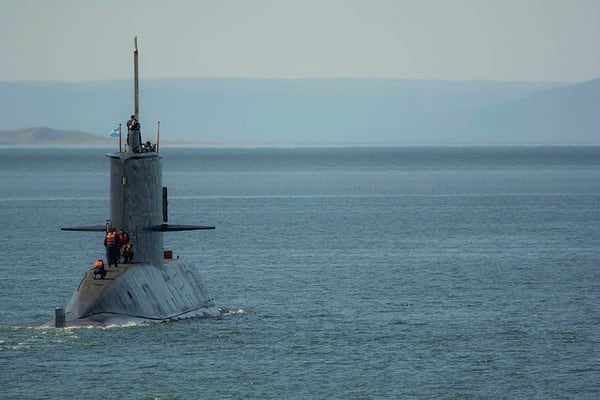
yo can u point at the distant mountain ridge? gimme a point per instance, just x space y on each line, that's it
561 115
316 111
43 136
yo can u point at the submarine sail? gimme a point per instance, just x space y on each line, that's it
150 285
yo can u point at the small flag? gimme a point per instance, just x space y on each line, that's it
115 132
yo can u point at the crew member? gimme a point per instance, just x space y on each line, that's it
99 269
123 237
130 122
111 242
123 241
127 253
134 137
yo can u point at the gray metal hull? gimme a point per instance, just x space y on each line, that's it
133 293
152 288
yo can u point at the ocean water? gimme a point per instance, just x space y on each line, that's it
342 273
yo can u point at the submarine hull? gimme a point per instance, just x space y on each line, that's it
132 293
152 288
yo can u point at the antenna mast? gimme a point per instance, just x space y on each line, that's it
135 80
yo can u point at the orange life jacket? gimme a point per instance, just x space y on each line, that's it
99 264
123 238
111 238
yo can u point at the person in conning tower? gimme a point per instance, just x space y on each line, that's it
130 122
134 136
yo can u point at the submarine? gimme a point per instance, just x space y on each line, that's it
152 286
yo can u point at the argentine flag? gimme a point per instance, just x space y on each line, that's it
115 132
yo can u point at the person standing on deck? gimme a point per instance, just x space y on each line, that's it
111 242
127 253
123 240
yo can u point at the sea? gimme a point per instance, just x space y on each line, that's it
340 272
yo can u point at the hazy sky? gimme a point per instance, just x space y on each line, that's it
531 40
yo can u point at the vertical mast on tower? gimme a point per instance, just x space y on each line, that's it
135 80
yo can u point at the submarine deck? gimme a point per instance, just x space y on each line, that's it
140 291
91 288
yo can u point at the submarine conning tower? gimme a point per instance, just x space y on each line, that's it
136 199
136 202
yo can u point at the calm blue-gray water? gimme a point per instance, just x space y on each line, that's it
343 273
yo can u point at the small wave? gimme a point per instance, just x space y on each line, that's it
227 312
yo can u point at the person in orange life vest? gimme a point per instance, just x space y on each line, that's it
99 269
127 253
123 237
111 242
123 240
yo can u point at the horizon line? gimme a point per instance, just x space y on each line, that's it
316 78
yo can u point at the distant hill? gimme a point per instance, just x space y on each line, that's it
562 115
42 136
316 111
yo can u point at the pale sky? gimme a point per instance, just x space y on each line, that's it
510 40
